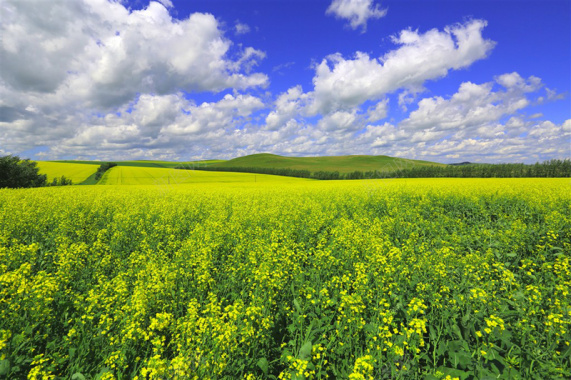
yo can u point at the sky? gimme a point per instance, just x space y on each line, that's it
438 80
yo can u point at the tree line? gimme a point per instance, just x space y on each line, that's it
18 173
550 168
103 168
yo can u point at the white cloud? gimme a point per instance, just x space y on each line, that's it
473 105
67 67
339 121
241 28
107 54
288 105
160 122
248 60
379 111
345 83
357 12
166 3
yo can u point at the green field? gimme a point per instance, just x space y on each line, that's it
342 164
131 175
147 163
77 172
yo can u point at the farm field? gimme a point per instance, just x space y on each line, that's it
146 163
76 172
129 175
343 164
290 279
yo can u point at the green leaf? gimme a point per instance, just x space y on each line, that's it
454 372
457 331
466 318
459 355
432 332
77 376
297 305
263 364
4 367
305 351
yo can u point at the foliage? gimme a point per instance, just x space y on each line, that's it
326 175
61 181
17 173
387 279
551 168
103 168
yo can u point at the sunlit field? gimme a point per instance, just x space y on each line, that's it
290 279
130 175
76 172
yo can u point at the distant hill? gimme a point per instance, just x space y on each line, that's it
342 164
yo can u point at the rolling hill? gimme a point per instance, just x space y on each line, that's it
146 163
156 171
77 172
133 175
342 164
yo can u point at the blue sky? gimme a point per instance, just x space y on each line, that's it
446 81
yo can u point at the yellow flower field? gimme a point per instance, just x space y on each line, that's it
76 172
387 279
131 175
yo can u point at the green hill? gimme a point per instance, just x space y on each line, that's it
342 164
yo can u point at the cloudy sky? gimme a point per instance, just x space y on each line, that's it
446 81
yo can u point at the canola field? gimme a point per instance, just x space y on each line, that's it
130 175
393 279
76 172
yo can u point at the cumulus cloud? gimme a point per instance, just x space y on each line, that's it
543 141
287 106
473 104
379 111
339 121
160 122
341 83
469 125
69 67
357 12
344 85
107 54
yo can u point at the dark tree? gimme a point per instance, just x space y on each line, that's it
16 173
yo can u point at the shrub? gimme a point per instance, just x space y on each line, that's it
16 173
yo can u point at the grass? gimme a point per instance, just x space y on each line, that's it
342 164
74 171
131 175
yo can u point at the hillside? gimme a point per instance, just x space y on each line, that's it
137 175
342 164
146 163
77 172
